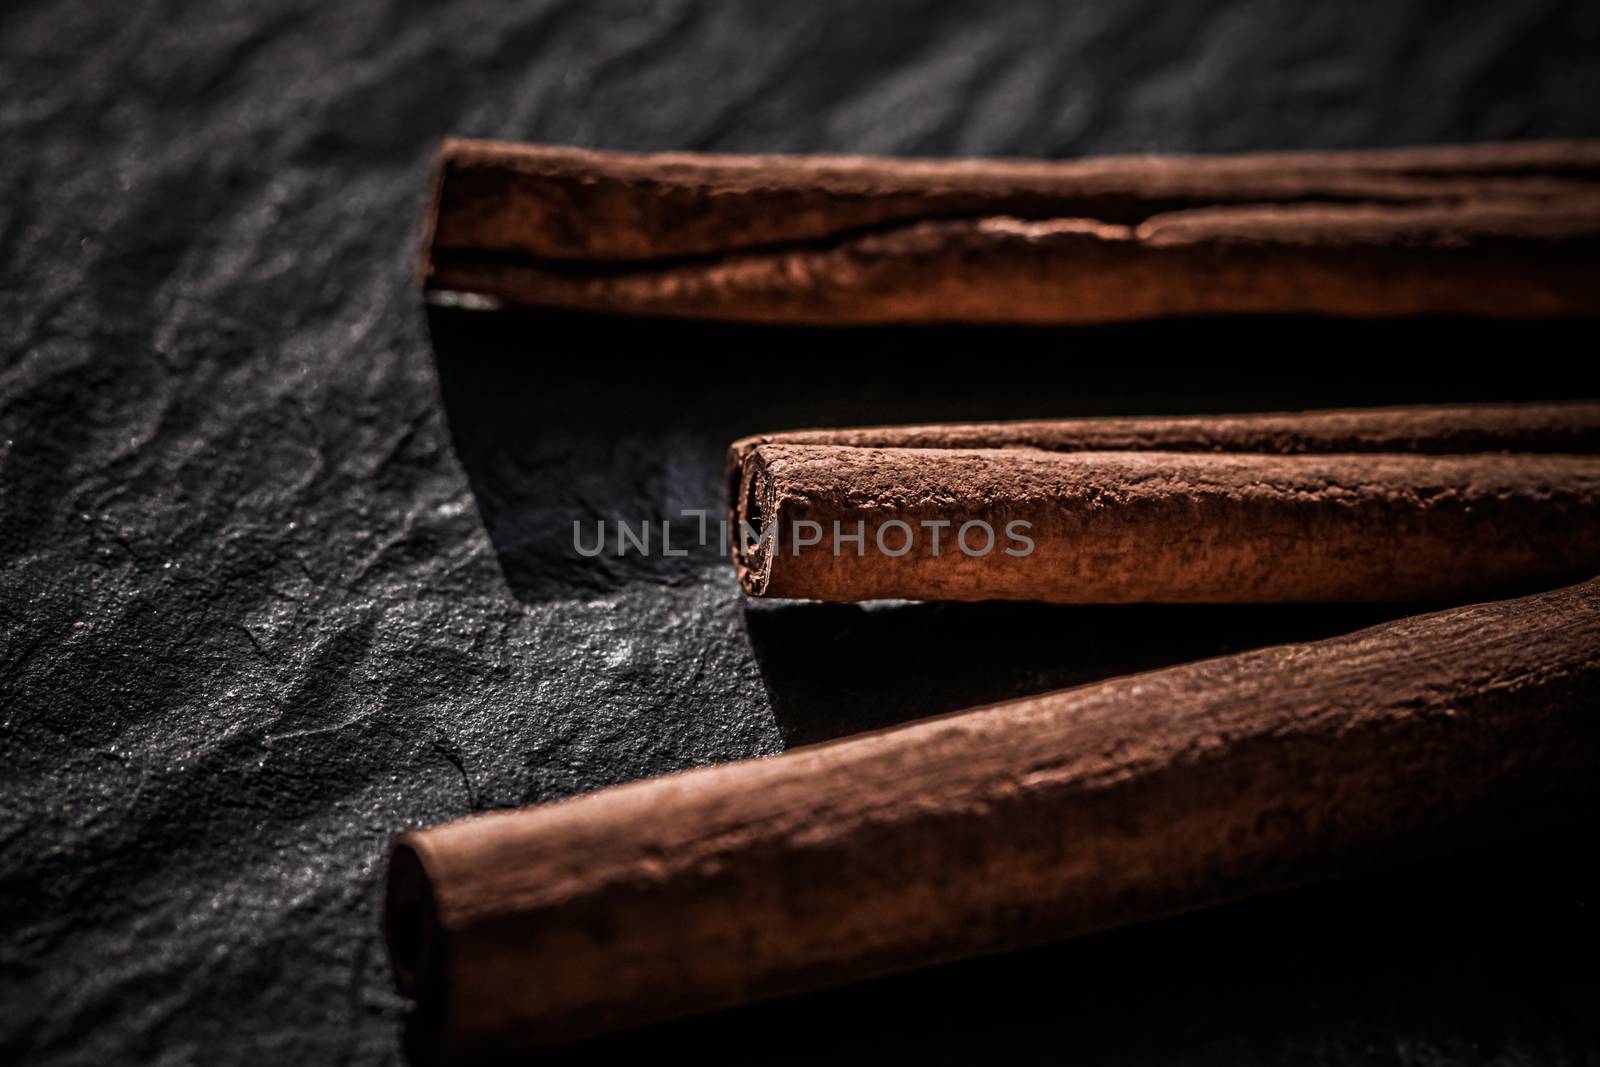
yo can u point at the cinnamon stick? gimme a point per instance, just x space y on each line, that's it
1498 229
1435 429
843 523
994 828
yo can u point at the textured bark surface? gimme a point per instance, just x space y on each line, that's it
1162 527
1511 230
998 827
286 564
1438 429
572 204
1435 429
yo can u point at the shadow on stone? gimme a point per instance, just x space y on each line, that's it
838 669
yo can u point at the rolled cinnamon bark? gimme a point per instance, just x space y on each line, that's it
1500 229
995 828
1435 429
843 523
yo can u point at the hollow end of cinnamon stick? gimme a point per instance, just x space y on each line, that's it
414 935
754 502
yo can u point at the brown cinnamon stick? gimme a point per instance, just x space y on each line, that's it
999 827
1499 229
1435 429
842 523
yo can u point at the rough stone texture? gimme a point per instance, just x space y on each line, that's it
284 573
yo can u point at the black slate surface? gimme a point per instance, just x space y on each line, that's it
286 561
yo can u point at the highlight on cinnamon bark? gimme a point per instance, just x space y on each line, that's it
1494 229
1314 506
846 524
1427 429
1433 429
997 827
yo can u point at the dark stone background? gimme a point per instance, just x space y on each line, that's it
285 564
